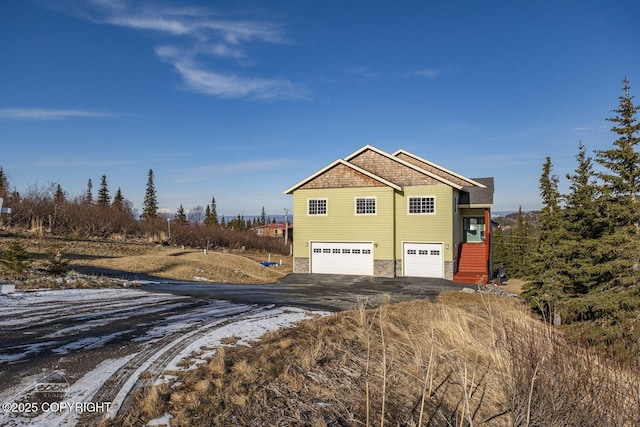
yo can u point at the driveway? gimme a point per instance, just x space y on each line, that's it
314 291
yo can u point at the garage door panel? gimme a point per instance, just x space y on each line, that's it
423 260
342 258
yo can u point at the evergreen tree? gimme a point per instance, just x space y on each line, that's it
501 251
15 259
104 198
520 244
88 197
620 183
150 208
211 214
59 196
4 184
583 226
180 217
118 200
548 268
263 217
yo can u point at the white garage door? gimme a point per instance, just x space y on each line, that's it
423 260
342 258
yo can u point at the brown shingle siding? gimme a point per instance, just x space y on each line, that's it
341 176
390 169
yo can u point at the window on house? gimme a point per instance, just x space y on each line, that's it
259 231
317 207
422 205
365 205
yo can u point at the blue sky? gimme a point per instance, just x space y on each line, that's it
241 100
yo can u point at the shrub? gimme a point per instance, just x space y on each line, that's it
56 263
15 259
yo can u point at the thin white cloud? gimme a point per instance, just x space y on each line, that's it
50 114
426 72
362 72
228 86
194 32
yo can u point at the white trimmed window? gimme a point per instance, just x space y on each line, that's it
422 205
365 205
317 207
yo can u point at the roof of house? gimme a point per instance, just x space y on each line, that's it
477 196
370 166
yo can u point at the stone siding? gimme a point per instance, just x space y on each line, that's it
301 265
384 268
449 269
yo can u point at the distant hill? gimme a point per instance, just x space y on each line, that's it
509 220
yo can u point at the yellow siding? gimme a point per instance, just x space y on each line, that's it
436 228
341 223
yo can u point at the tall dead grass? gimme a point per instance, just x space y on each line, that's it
465 360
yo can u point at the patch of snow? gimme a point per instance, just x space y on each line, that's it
164 420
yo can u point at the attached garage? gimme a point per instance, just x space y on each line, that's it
342 258
423 260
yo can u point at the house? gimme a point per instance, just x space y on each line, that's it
274 230
392 215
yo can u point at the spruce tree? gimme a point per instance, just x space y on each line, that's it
548 268
88 197
150 208
118 200
104 198
620 183
263 217
584 227
501 251
520 244
59 196
211 213
15 259
4 184
180 217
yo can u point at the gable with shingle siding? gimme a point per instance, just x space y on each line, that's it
391 169
341 176
432 169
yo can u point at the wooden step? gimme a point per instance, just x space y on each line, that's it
471 278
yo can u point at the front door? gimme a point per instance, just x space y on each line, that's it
473 229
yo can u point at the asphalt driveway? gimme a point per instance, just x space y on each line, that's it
315 291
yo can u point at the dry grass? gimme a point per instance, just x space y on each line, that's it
464 360
196 265
163 261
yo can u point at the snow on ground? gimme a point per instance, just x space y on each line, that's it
198 330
